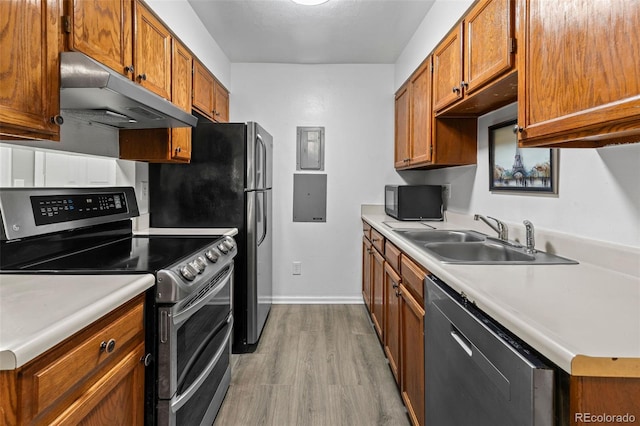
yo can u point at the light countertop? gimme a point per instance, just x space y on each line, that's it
39 311
585 318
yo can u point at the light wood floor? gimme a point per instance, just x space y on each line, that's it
315 365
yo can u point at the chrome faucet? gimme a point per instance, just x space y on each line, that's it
531 240
500 227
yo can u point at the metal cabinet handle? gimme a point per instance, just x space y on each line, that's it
464 84
517 129
455 89
142 77
146 360
57 119
178 149
109 346
129 69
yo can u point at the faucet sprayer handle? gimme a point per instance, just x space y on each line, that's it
530 236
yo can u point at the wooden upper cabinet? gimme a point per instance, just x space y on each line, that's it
579 78
474 66
152 53
421 114
221 104
203 89
210 98
402 127
447 70
489 47
30 43
102 30
181 64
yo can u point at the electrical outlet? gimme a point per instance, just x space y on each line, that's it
446 191
297 268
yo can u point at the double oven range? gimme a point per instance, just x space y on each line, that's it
188 318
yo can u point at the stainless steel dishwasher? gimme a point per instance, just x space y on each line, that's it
476 373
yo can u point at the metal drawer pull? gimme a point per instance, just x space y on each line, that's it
108 346
461 341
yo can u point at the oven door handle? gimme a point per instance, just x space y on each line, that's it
179 400
182 316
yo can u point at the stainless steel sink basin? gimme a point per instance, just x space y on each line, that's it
474 248
491 253
427 236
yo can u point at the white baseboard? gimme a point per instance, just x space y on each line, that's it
317 300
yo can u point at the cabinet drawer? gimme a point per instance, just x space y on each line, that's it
413 278
392 254
366 230
377 239
50 380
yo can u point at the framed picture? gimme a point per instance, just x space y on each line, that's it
515 169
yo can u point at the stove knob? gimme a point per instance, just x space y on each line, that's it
197 266
223 248
212 255
189 272
229 244
201 262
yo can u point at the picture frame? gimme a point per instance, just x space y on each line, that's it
520 170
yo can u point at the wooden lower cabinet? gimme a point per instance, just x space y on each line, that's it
392 319
366 273
377 281
412 356
94 377
592 397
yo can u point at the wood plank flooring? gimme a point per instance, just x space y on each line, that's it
315 365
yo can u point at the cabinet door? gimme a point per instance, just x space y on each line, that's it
181 64
447 70
366 273
117 398
152 58
29 66
421 114
103 30
412 356
377 277
221 110
203 90
392 319
584 56
402 132
488 52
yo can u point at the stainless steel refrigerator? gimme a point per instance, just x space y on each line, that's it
227 184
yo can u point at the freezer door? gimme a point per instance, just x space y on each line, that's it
259 157
259 262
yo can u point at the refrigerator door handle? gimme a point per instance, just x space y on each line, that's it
264 218
264 160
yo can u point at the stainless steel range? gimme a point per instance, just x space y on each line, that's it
189 318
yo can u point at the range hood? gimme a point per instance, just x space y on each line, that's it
90 91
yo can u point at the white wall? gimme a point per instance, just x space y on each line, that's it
183 21
436 24
355 105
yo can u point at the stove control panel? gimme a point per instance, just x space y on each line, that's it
49 209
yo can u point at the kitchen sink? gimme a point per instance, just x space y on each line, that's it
427 236
491 253
474 248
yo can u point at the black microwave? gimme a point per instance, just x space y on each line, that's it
414 202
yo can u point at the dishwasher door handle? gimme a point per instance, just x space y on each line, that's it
461 340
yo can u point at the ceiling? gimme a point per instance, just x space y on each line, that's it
336 32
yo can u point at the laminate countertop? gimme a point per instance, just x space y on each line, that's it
585 318
39 311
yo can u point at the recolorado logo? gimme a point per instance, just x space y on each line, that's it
604 418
